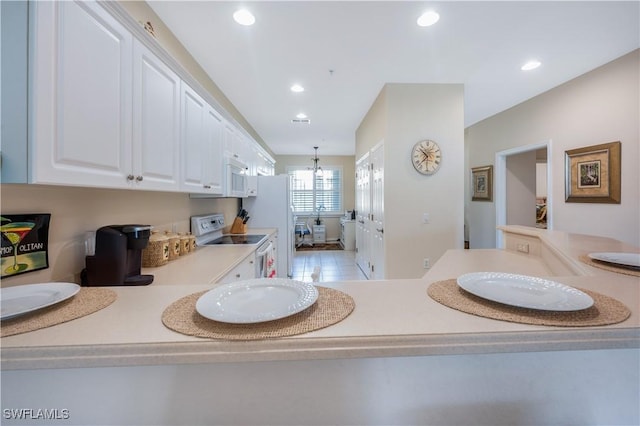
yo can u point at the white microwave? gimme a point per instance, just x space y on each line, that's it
236 178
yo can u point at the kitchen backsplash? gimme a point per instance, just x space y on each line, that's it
74 211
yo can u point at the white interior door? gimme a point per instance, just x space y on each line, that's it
363 210
377 213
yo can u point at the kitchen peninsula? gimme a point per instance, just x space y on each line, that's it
400 357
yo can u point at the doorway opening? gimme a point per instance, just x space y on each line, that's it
523 185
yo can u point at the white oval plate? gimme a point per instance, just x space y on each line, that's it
524 291
624 259
258 300
22 299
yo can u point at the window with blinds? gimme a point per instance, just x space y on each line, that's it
322 192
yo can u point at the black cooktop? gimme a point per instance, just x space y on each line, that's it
237 239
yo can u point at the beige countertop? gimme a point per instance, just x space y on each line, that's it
391 318
206 265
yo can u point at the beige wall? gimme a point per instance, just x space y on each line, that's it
598 107
348 190
373 128
402 115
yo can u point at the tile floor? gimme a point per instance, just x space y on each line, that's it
335 265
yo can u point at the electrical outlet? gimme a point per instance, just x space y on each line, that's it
425 217
426 264
523 248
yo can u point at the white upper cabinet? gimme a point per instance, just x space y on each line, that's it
81 94
236 144
156 122
194 138
202 165
106 109
265 165
212 156
112 109
230 141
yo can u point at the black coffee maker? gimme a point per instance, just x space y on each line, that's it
118 257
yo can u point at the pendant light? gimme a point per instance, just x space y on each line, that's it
316 169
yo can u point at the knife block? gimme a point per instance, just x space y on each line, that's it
238 227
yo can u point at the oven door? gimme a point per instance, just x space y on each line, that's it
266 261
237 184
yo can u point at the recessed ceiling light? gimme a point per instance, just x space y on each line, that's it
301 115
244 17
531 65
297 88
428 18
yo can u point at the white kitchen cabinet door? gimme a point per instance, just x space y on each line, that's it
253 157
236 144
229 140
202 145
244 149
213 161
156 122
246 270
194 139
81 96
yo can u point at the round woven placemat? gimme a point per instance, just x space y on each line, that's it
331 307
605 310
608 267
87 301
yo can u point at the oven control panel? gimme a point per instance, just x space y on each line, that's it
206 224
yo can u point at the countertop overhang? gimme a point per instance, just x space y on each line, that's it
392 318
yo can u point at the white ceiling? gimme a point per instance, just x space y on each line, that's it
367 44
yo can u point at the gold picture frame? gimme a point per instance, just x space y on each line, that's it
592 174
482 183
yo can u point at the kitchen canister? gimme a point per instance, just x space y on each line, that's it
185 244
157 251
192 241
174 245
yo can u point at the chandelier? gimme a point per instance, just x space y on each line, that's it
316 169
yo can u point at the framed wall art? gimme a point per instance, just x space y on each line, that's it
482 183
25 240
592 174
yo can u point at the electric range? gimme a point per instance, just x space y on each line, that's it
208 231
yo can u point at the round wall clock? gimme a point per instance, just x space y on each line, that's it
426 157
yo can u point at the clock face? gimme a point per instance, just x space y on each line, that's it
426 157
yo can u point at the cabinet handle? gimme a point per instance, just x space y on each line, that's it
207 186
237 275
139 178
130 177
